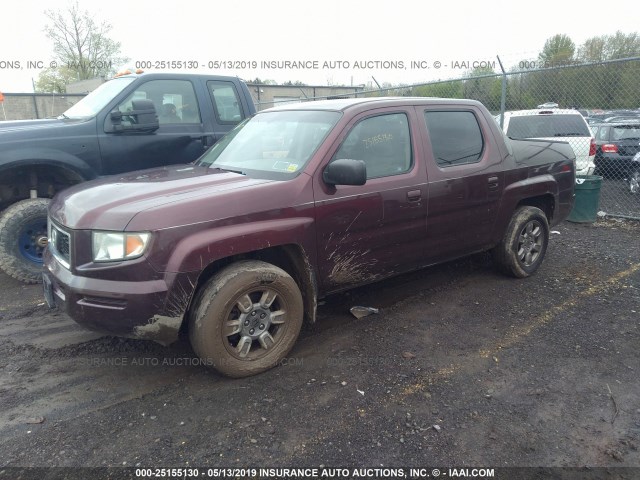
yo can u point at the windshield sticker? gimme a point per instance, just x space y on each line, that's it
285 166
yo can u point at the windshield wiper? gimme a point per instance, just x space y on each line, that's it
233 171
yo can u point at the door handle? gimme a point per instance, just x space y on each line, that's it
493 183
414 195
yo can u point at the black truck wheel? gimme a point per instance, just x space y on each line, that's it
524 244
23 238
246 318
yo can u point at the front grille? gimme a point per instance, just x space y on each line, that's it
60 244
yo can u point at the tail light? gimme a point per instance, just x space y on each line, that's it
592 147
609 148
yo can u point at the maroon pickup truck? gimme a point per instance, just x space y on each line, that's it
296 203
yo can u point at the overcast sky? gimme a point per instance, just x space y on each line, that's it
397 32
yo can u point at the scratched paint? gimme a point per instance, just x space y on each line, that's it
164 329
349 267
180 298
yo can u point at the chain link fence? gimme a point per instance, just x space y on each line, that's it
593 106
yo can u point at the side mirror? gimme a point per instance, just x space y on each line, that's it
345 171
142 118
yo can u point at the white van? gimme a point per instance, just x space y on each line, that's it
555 124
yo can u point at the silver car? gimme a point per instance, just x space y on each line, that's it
555 124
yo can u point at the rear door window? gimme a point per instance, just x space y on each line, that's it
456 138
226 103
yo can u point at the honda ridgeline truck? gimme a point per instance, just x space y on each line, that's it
296 203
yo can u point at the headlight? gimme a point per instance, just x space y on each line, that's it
110 246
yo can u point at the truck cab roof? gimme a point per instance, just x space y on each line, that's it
344 104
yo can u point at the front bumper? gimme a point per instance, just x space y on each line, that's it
151 310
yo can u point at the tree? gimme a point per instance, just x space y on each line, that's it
54 80
297 83
610 47
440 89
81 44
593 50
258 81
609 86
557 50
621 45
486 89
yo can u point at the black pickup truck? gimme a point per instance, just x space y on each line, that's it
129 123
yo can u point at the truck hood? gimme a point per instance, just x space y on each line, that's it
110 203
19 134
34 125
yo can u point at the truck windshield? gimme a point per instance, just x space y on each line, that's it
278 144
90 105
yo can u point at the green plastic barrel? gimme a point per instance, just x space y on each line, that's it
585 209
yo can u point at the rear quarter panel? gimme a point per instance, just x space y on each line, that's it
537 168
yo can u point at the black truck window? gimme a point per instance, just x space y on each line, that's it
455 137
226 103
175 100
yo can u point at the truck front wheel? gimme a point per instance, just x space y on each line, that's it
23 238
246 318
524 244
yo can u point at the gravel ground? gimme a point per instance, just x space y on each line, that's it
461 367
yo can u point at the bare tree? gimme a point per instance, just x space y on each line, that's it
81 43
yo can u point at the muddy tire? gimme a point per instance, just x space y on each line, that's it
23 238
522 249
246 318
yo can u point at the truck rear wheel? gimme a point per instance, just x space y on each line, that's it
23 238
522 249
246 318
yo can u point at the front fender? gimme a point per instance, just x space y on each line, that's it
195 251
20 158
